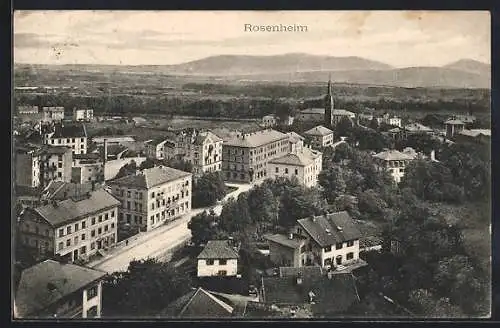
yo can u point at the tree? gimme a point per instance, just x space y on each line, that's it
297 202
127 169
263 205
204 227
146 288
374 124
427 304
208 189
371 204
332 182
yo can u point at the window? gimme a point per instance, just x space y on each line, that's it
286 170
106 216
76 240
91 292
328 249
59 165
106 227
296 172
222 262
350 243
84 225
112 214
152 195
100 218
61 232
93 220
76 226
222 273
277 170
83 236
113 225
210 262
350 256
68 230
129 217
99 231
68 242
60 246
92 245
152 206
59 174
338 246
128 193
92 234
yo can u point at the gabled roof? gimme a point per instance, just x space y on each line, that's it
294 137
204 136
151 177
332 295
319 130
296 159
70 131
329 229
454 122
73 209
256 139
47 282
198 303
60 190
393 155
218 249
283 240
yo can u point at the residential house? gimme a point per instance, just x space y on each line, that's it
52 114
310 289
453 127
319 137
27 110
245 156
474 135
198 304
399 133
311 115
394 161
285 250
304 164
157 148
72 229
269 121
73 136
56 290
341 114
87 168
152 196
296 142
389 120
38 165
203 149
83 114
218 258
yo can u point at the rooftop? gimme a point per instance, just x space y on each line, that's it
319 130
60 190
70 131
198 303
476 132
294 137
42 149
47 282
256 139
283 240
454 122
152 177
331 228
342 112
417 127
393 155
313 111
71 209
218 249
301 158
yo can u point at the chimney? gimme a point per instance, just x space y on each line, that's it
433 155
290 236
105 150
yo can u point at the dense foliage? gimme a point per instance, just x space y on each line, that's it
208 189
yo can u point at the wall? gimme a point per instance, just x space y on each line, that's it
95 301
283 256
27 173
342 252
205 270
112 167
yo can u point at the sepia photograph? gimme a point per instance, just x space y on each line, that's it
251 165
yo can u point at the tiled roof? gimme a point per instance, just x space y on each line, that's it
370 241
72 209
325 230
151 177
256 139
47 282
454 122
294 243
198 303
331 295
293 159
476 132
100 139
393 155
202 136
218 249
319 130
70 131
60 190
294 137
158 140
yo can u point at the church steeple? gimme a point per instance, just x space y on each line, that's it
329 103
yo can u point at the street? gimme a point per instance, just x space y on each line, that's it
160 240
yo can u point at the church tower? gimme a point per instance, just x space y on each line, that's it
329 104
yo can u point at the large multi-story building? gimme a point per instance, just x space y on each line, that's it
296 141
87 168
37 165
73 136
152 196
304 165
394 162
245 157
83 114
72 229
57 290
52 114
319 137
27 110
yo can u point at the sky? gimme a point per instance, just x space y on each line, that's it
398 38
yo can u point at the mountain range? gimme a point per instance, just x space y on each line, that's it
299 67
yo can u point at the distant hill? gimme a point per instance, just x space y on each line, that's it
297 67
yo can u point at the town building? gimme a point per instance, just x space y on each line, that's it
83 114
319 137
269 121
402 133
59 190
73 136
453 127
52 114
87 168
310 290
72 229
287 120
27 196
394 162
482 136
38 165
311 115
245 156
27 110
304 164
296 142
57 290
160 148
330 240
198 303
113 140
152 197
466 118
389 120
218 258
